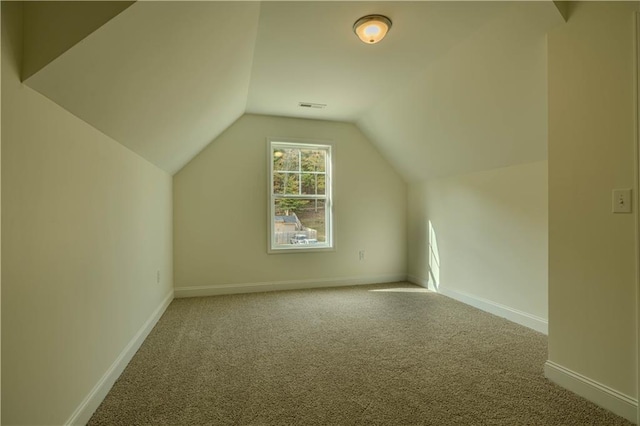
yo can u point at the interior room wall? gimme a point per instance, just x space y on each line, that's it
592 255
86 226
470 135
480 106
220 213
43 39
0 234
482 237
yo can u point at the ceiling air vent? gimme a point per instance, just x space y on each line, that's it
311 105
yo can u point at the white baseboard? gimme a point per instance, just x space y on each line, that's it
220 289
422 282
519 317
92 401
602 395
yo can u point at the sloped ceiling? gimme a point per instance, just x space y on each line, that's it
307 52
481 106
162 78
43 41
455 87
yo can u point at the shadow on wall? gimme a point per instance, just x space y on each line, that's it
434 259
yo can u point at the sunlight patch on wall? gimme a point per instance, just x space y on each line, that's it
434 260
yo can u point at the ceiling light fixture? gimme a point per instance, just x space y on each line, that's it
372 28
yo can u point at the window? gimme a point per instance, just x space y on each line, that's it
300 208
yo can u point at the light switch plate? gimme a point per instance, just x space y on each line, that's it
621 201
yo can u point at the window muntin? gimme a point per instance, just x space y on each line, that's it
300 209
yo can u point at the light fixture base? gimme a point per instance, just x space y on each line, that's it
371 29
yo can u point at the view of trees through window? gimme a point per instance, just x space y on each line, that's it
299 177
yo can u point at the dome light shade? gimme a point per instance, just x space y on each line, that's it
372 28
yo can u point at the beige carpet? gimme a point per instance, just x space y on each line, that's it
361 355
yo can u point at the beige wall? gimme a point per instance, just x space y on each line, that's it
52 27
1 61
86 225
220 209
479 106
592 258
488 236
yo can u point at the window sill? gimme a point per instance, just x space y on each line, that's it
290 250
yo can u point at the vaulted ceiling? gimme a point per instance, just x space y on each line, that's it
455 86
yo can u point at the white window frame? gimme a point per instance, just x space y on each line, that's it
329 244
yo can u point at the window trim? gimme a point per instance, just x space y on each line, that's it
329 198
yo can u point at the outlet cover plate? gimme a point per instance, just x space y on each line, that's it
621 201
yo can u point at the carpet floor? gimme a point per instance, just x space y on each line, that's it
389 354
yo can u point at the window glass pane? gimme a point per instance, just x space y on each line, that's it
286 159
299 222
308 183
321 184
313 184
313 160
300 169
286 183
278 183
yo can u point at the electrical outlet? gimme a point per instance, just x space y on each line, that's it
621 201
361 254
